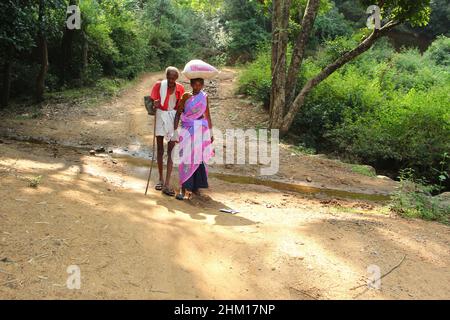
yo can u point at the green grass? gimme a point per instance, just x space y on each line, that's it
384 210
364 170
34 182
104 89
413 199
302 149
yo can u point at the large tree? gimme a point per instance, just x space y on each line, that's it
286 99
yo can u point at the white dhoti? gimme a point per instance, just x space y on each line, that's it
164 124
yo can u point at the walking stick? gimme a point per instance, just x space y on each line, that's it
153 147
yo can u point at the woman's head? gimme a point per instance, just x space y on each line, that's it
197 84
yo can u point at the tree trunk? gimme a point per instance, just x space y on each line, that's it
84 57
328 70
280 21
66 57
298 52
6 81
40 81
43 55
66 49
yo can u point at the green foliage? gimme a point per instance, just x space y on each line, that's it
255 80
301 148
413 199
247 26
439 51
176 33
416 13
386 109
364 170
34 182
17 25
409 124
331 25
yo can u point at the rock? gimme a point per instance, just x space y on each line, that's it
92 152
309 179
443 200
100 149
383 177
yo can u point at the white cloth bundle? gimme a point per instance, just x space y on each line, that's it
199 69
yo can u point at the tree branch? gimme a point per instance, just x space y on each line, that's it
365 45
298 53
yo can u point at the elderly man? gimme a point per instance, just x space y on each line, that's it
166 95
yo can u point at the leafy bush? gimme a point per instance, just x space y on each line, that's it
439 51
386 109
246 26
414 199
255 80
408 130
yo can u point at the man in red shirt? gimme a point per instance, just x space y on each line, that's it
166 95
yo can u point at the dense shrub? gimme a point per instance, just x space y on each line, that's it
414 199
255 80
387 109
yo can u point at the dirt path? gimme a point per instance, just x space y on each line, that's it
90 211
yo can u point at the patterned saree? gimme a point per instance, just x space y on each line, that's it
195 143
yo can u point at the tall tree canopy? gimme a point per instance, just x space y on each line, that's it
286 99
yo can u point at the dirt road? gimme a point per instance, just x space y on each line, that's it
90 211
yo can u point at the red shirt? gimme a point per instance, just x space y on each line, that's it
179 91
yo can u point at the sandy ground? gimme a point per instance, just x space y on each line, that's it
90 211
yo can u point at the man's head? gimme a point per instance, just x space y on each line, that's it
172 75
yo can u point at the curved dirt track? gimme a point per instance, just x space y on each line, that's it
90 211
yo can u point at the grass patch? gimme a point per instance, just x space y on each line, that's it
302 149
384 210
364 170
104 89
414 199
34 182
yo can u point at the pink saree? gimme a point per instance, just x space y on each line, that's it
195 137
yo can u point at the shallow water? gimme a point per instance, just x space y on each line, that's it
139 166
138 162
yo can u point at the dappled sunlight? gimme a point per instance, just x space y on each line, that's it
356 250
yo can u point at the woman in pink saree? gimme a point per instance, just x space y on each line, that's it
195 140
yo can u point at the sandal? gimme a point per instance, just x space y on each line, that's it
179 196
186 196
169 192
159 186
